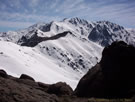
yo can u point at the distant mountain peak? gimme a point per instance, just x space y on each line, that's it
101 32
106 32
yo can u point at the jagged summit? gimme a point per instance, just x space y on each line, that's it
106 32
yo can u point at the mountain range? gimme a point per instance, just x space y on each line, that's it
60 50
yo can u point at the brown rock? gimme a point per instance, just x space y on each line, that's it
12 90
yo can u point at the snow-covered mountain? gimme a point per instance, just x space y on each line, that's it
106 32
58 51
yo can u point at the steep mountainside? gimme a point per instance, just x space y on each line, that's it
102 32
106 32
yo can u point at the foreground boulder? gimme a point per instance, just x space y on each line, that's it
26 89
113 77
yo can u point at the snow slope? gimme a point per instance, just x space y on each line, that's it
71 51
65 59
17 60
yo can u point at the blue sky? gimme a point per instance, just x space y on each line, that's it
19 14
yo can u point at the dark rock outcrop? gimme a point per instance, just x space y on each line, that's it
60 89
21 90
113 77
105 33
26 89
100 33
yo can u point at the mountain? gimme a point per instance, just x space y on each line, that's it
106 32
65 58
75 25
60 50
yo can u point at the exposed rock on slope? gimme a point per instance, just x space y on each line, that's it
106 32
113 77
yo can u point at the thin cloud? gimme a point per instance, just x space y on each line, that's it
33 3
11 24
27 17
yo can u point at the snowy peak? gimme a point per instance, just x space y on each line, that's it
101 32
106 32
78 27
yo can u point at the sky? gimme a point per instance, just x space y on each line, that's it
20 14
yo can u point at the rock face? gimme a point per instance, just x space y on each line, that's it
113 77
25 89
106 33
